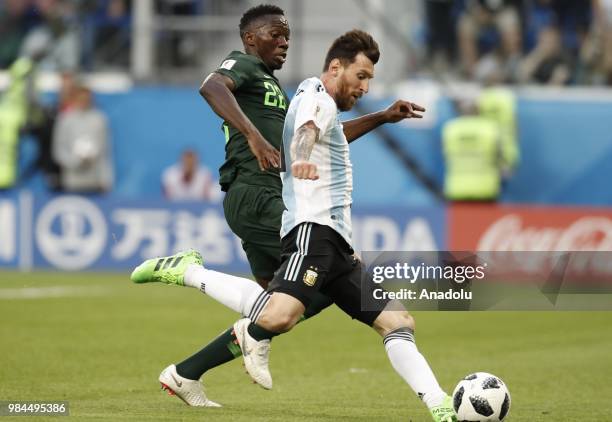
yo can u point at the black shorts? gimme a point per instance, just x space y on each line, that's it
254 215
316 258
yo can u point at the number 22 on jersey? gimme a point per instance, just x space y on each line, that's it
274 96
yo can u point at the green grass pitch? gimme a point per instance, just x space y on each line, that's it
100 342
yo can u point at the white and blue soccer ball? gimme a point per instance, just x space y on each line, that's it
481 397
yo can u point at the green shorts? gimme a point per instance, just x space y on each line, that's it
254 213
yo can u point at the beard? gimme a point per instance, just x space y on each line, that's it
343 97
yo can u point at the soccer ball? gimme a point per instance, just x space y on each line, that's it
481 397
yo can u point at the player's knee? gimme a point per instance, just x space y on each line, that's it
400 319
281 313
389 321
406 320
279 322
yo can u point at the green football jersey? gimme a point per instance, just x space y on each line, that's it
264 102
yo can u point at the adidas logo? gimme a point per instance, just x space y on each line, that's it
169 262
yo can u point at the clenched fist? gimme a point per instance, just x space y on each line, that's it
304 170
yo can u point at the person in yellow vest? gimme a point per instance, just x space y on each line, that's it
499 105
471 147
18 108
13 117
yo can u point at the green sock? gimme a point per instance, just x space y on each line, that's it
225 347
260 333
219 351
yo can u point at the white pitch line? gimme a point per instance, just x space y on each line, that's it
50 292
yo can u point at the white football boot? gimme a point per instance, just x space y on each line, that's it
255 354
190 391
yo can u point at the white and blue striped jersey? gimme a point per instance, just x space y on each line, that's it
326 201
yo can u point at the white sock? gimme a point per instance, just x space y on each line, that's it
410 364
239 294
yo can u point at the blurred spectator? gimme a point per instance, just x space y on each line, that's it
179 48
596 54
42 130
499 105
14 109
179 7
567 20
106 33
567 41
490 29
57 30
13 27
573 18
441 39
188 180
19 111
440 43
471 149
68 89
604 25
82 147
548 63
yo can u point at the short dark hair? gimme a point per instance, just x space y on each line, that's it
346 47
255 13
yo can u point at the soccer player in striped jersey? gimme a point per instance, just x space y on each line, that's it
317 254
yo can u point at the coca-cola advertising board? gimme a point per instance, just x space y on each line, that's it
478 227
571 244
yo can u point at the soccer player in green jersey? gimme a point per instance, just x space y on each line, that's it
246 94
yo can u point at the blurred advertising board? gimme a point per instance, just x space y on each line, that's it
74 233
518 242
477 227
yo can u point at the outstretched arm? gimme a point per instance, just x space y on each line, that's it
217 91
302 144
397 111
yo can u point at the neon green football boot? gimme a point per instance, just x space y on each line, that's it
169 269
444 412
